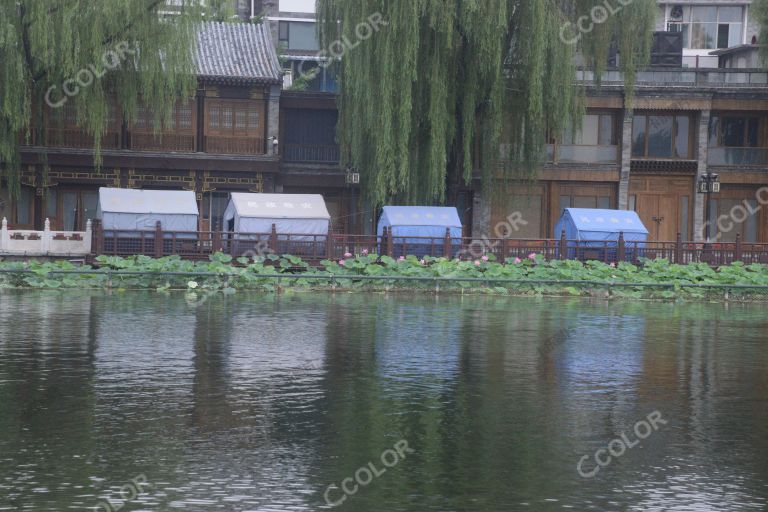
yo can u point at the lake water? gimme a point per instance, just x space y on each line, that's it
379 403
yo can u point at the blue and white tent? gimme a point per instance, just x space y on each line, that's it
588 227
296 214
412 227
131 211
601 225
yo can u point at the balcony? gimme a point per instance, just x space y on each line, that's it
138 141
574 154
165 142
737 156
311 153
691 77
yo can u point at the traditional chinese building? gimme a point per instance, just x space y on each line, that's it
224 139
310 154
265 112
700 109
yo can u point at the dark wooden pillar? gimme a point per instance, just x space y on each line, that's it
563 246
200 121
622 254
97 237
273 239
38 200
329 245
158 240
124 142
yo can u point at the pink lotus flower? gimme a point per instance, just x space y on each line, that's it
613 265
342 262
401 258
532 256
477 263
485 258
518 261
365 252
347 255
423 262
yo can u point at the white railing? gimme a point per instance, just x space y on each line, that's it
737 156
689 77
24 242
573 153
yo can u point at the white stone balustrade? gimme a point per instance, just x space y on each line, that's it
24 242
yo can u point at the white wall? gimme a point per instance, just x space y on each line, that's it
297 6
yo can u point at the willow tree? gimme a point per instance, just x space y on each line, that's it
92 56
758 12
430 94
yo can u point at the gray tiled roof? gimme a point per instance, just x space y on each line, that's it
237 52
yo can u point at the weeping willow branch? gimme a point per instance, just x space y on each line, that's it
427 100
44 43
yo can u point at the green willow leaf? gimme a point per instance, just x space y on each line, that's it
427 98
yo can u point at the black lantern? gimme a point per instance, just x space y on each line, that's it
709 184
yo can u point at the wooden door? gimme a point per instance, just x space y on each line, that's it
741 206
212 211
22 212
661 215
668 217
578 195
523 202
74 209
647 208
69 210
663 204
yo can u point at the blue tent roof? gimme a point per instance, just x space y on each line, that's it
420 221
446 217
605 221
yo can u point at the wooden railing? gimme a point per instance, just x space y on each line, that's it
163 142
311 153
313 248
234 145
76 138
181 142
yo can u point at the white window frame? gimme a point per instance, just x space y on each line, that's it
705 51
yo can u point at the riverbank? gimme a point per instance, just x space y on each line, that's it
655 279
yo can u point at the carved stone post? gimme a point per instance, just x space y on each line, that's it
45 240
